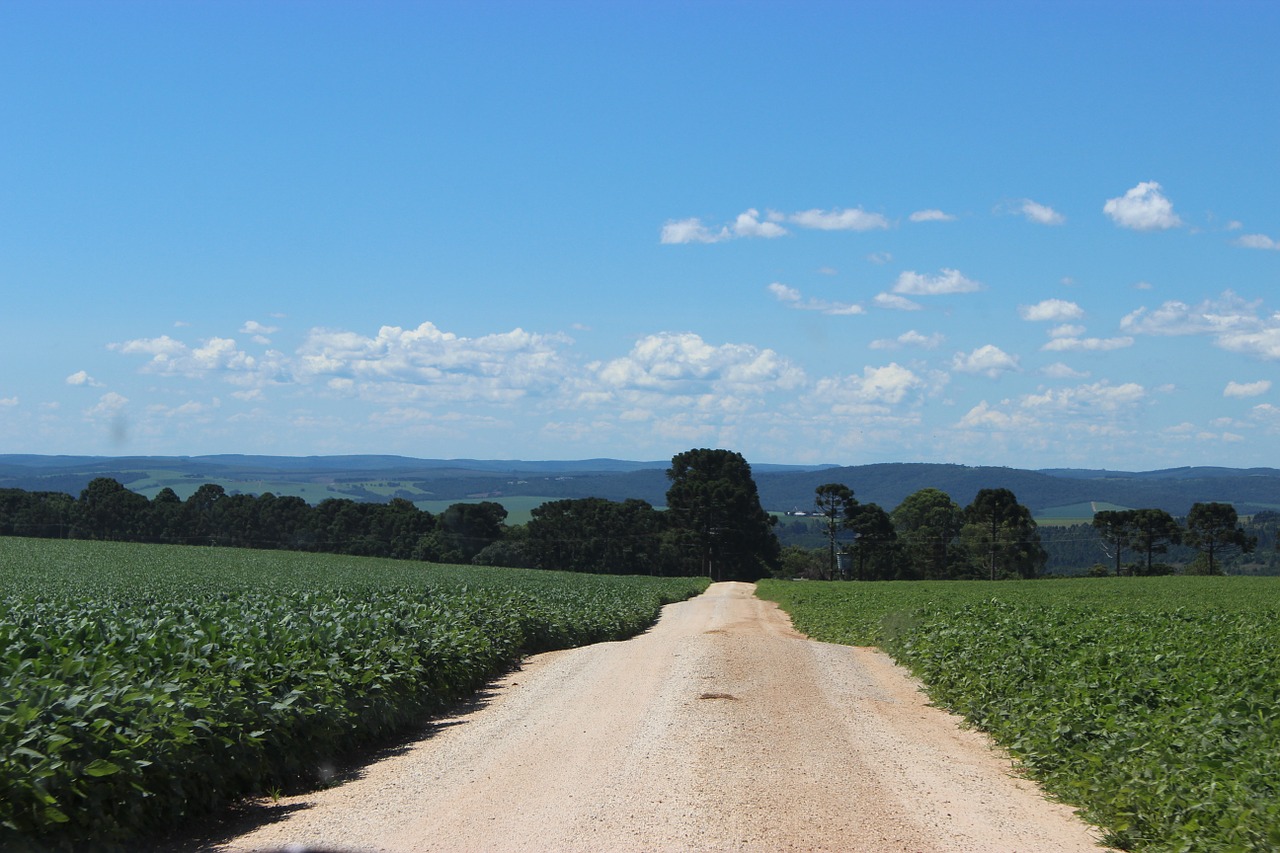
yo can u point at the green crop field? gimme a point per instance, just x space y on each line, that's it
142 685
1153 704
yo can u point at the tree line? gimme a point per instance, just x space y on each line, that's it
107 510
713 525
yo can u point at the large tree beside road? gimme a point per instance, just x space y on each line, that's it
713 499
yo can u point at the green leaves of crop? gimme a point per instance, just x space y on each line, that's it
1152 703
145 685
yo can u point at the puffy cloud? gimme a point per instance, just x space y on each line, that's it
1099 396
931 215
1267 413
1058 370
1258 241
1247 389
1234 324
910 338
989 360
1225 314
791 296
748 224
497 367
1051 310
876 387
259 331
1035 212
1143 208
172 357
849 219
1263 343
109 404
82 378
690 231
684 363
1069 344
949 281
8 402
784 293
896 303
983 416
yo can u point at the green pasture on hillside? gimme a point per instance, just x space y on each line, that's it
143 685
1153 704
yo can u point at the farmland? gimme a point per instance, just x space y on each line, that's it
144 685
1150 703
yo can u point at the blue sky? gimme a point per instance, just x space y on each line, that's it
1031 234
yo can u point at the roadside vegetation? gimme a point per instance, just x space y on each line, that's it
1150 703
143 685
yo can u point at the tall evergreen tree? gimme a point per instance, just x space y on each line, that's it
713 498
1214 529
1001 535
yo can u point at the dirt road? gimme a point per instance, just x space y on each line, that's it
719 729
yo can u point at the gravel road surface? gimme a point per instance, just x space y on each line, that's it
719 729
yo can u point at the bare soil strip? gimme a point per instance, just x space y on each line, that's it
719 729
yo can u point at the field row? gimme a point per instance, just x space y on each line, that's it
141 686
1152 704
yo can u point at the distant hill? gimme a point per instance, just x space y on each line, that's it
782 487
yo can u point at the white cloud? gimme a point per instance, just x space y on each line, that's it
82 378
1257 241
683 363
784 293
1247 389
259 332
171 357
108 405
1069 344
1263 343
253 327
691 231
1058 370
1038 213
189 409
410 363
1067 330
911 338
748 224
1143 208
849 219
8 402
880 258
983 416
931 215
950 281
1052 310
989 360
876 387
791 296
1234 324
1267 413
896 303
1097 397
